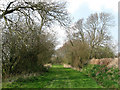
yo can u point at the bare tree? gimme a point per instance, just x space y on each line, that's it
97 26
94 30
89 38
43 11
79 30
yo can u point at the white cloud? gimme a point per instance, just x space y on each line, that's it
108 4
61 34
73 5
94 5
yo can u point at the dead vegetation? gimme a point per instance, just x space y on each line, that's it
67 66
109 62
47 66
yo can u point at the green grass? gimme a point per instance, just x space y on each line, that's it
107 77
57 77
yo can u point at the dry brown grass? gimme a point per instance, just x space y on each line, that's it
114 63
109 62
47 66
67 66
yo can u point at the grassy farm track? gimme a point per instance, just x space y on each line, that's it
57 77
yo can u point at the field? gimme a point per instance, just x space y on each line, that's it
57 77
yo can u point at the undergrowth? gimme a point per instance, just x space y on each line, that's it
107 77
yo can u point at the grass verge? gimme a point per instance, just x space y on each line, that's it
107 77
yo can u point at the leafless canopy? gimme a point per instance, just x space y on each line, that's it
42 12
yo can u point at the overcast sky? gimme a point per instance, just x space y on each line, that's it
83 8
